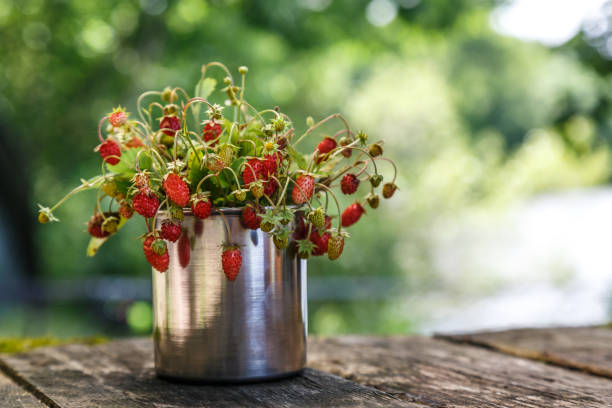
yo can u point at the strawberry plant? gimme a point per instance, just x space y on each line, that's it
181 153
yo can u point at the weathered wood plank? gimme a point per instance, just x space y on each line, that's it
443 374
120 374
13 396
587 349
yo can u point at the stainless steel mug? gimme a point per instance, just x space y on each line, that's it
210 329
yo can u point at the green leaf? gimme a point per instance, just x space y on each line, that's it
145 161
205 87
127 163
298 158
95 243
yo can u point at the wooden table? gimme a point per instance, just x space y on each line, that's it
569 367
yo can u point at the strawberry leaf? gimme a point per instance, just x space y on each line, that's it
298 158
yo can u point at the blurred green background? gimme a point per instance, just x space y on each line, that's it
503 144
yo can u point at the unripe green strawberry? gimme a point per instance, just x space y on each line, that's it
170 109
317 217
266 226
257 188
335 245
240 194
363 137
373 200
176 212
376 179
109 187
214 163
226 153
375 150
280 242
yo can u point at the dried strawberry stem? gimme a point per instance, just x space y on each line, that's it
158 210
316 125
392 163
282 194
86 185
139 102
220 65
100 128
202 181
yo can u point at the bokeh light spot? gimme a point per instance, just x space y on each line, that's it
139 317
381 12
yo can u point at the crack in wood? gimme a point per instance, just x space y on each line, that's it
26 385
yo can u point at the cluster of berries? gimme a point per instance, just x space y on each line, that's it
178 162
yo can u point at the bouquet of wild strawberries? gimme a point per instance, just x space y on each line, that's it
169 159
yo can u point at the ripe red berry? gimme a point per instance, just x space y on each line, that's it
176 189
157 261
126 211
351 214
211 131
301 230
320 242
145 204
349 183
270 187
94 226
110 151
118 118
253 170
324 147
271 163
169 125
250 217
231 261
170 230
201 207
303 191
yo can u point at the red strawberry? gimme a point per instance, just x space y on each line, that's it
253 170
176 189
135 142
118 117
94 226
304 192
271 163
231 261
250 218
169 125
301 230
110 151
324 147
320 242
349 183
126 211
201 207
157 261
184 250
211 131
351 214
170 230
270 187
145 204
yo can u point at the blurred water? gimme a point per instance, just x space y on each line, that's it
545 262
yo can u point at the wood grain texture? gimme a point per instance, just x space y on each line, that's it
120 374
13 396
587 349
443 374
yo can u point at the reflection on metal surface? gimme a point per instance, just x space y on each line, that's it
208 328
